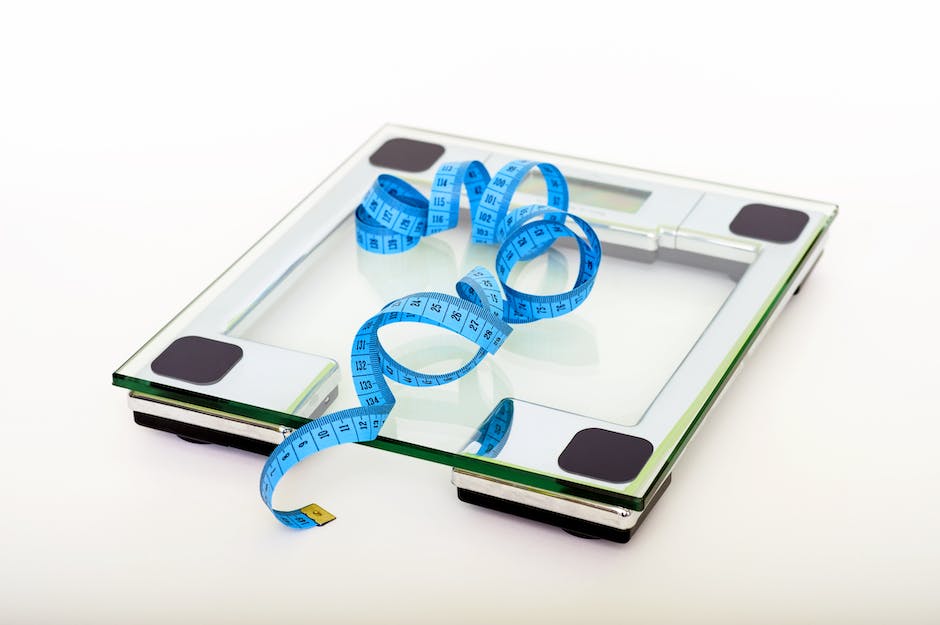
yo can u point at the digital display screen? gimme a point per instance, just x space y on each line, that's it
589 193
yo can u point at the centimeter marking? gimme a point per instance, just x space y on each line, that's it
392 218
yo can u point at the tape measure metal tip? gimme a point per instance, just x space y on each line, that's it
317 514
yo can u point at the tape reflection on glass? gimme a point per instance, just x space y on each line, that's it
494 432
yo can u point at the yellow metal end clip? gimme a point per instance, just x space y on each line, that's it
318 514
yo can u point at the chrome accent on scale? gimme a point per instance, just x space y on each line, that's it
584 509
812 257
231 424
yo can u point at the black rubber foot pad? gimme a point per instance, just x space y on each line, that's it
605 455
769 223
195 441
197 360
406 155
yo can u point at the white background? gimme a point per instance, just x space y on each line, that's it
143 149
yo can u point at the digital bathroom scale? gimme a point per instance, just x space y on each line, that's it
578 420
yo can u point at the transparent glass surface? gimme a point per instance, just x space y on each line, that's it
635 328
677 302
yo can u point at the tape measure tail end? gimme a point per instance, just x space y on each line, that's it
317 514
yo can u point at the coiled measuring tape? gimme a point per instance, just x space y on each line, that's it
392 219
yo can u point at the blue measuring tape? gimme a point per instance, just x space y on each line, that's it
392 219
493 433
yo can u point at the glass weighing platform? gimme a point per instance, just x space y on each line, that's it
578 420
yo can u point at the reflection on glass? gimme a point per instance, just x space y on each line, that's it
493 433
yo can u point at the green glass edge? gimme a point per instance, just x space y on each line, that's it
305 394
683 430
493 468
199 400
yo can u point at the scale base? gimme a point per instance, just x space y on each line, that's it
580 517
203 435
